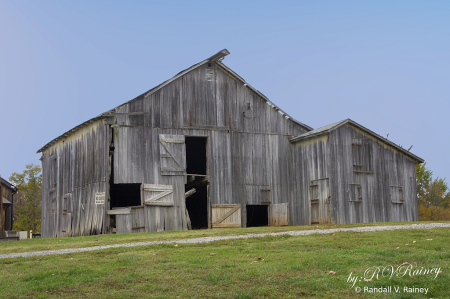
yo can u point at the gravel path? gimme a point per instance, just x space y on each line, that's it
219 238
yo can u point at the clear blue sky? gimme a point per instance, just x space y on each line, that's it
384 64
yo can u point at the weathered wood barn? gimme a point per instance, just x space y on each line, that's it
7 190
207 150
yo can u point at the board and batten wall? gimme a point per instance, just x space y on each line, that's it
248 148
73 170
381 187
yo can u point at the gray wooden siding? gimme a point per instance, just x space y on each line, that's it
362 178
249 160
311 164
390 168
74 170
248 147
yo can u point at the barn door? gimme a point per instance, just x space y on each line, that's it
320 201
172 151
279 214
66 219
157 195
226 216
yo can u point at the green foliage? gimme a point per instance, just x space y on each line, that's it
27 210
433 195
423 178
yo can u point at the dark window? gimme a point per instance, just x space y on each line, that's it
125 195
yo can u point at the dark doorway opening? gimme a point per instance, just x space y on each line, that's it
257 215
125 195
196 155
197 204
196 168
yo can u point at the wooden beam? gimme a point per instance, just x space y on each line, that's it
124 211
189 193
218 55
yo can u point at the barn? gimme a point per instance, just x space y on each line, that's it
205 149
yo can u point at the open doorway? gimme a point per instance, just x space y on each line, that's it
257 215
196 155
196 168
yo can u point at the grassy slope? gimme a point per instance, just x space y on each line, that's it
88 241
293 267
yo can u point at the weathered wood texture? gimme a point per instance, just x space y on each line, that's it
250 160
224 216
369 181
74 170
248 149
279 214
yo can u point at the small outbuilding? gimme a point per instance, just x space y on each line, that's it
205 149
6 206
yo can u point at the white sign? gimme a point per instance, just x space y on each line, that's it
100 198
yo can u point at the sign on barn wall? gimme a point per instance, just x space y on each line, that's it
100 198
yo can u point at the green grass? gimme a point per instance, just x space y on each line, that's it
269 267
99 240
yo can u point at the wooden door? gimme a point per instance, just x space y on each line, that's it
320 201
172 151
157 195
226 215
279 214
66 219
137 219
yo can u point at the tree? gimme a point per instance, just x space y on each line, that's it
433 195
27 206
423 178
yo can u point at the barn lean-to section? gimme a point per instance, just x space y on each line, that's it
355 176
201 150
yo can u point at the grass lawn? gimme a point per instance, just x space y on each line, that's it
269 267
99 240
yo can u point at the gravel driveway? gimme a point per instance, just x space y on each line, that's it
212 239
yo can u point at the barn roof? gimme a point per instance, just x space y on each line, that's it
334 126
8 184
215 58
